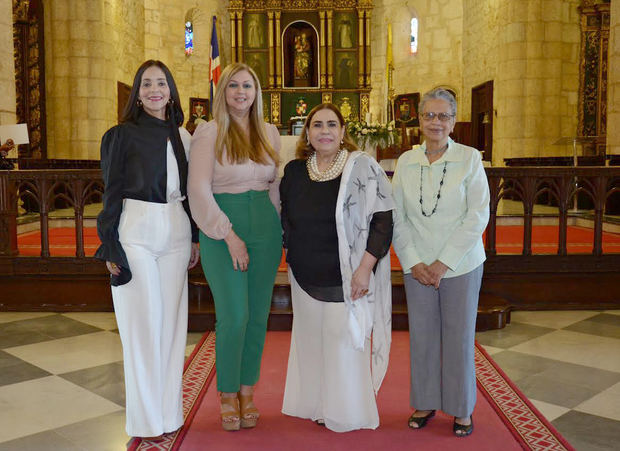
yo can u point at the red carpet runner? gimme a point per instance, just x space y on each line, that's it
503 417
509 241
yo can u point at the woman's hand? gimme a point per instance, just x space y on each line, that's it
194 256
113 268
361 277
421 273
238 251
437 270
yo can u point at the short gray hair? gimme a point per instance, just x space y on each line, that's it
440 94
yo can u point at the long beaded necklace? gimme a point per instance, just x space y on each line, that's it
333 171
438 191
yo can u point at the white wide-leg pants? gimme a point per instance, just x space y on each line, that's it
151 312
326 378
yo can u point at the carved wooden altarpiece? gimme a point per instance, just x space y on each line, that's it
593 73
305 52
29 56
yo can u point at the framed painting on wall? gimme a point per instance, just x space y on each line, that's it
255 32
345 30
198 112
406 110
345 70
258 62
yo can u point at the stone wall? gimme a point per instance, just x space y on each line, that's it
537 77
529 48
90 46
439 56
7 68
613 96
480 47
165 41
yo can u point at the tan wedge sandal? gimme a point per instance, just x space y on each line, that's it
229 410
249 412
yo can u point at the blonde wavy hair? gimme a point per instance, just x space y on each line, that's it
304 149
241 146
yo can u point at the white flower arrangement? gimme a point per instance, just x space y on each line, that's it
372 135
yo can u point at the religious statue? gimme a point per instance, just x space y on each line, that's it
344 34
303 57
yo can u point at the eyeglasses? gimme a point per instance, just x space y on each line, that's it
443 117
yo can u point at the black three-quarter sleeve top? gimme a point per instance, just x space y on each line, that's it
133 166
310 237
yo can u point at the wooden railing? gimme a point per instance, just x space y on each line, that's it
44 190
527 281
562 185
41 191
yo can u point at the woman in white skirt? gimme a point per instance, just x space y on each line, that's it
337 222
148 243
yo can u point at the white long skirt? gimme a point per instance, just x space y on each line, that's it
326 378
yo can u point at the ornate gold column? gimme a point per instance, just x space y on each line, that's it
364 105
271 59
278 81
235 10
275 108
322 49
240 57
593 72
233 37
330 51
361 48
367 56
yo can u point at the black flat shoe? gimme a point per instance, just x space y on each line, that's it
420 421
461 430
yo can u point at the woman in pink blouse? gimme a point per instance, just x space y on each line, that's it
233 194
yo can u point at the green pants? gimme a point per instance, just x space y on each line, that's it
242 299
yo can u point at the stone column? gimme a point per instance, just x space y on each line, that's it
537 77
7 68
81 79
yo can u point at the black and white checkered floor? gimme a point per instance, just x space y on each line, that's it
61 377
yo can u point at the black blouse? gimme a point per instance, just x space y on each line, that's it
310 236
133 166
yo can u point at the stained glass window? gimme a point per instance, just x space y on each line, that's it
189 38
414 35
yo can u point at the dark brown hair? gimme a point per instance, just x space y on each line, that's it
304 148
174 111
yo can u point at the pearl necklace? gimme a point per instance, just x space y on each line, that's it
333 171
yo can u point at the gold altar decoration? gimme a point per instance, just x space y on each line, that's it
315 49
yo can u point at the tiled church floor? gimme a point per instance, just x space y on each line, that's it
61 377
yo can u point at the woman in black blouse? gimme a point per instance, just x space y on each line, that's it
148 244
337 222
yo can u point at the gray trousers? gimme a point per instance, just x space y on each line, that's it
442 324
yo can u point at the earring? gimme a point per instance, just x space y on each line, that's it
139 103
171 101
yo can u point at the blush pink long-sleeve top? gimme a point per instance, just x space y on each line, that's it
207 177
